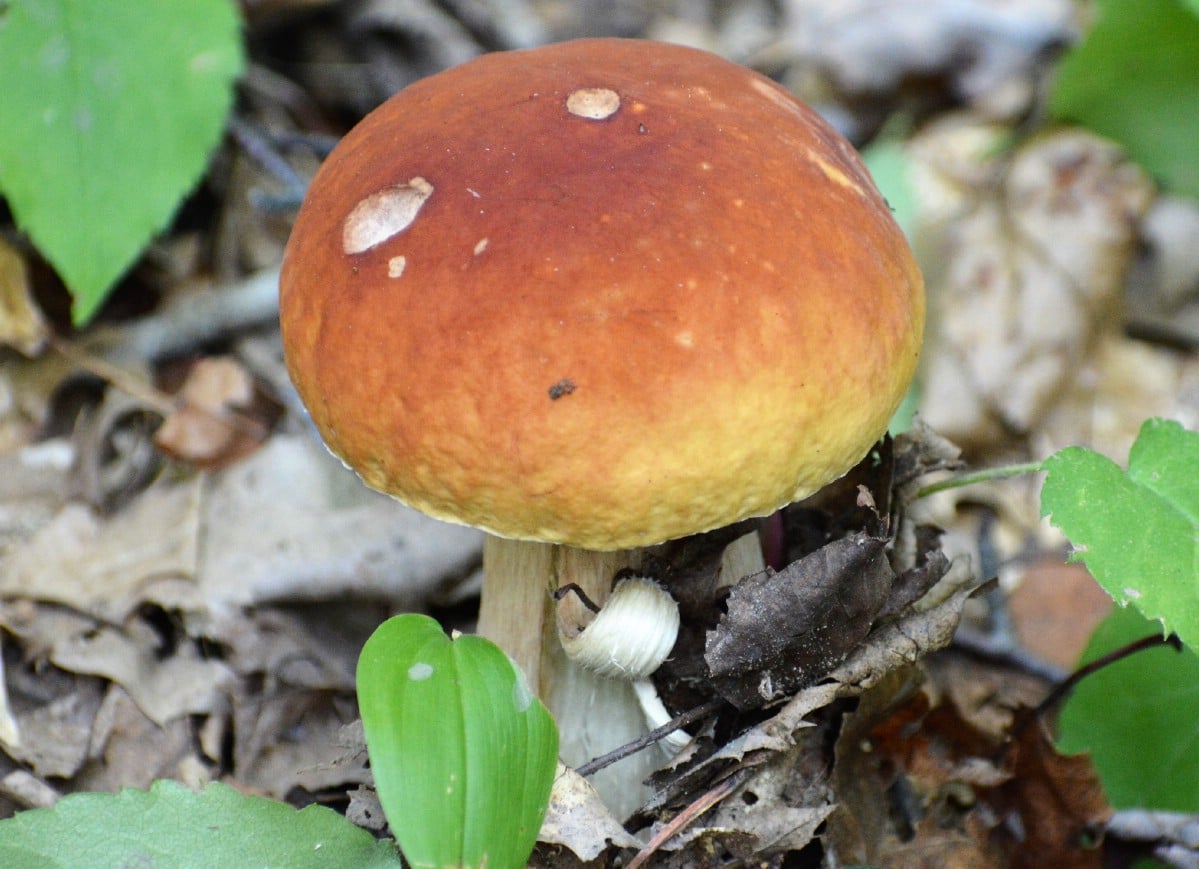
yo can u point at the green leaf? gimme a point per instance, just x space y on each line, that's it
462 752
1137 719
1135 79
887 161
1138 532
171 825
109 112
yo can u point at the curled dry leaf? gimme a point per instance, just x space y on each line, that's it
213 424
1034 245
784 629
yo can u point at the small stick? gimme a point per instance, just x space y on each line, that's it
1068 684
573 588
689 814
679 721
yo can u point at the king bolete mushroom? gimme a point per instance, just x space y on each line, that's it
591 297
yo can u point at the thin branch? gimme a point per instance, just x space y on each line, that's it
679 721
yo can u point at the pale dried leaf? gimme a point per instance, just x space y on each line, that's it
288 523
163 688
56 733
764 808
578 819
1032 270
103 566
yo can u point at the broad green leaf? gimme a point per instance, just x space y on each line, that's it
1137 719
1135 79
462 753
109 111
172 825
1138 532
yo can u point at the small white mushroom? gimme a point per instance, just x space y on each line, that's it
631 636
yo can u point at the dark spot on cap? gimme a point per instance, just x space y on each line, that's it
565 386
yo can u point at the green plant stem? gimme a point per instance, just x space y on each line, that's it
983 476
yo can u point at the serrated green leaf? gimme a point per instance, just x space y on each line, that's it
172 825
1135 79
1138 532
462 753
109 111
1137 718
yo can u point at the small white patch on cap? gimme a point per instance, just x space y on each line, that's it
384 214
832 173
594 104
420 671
395 266
481 245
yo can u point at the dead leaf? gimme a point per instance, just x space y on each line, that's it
1056 803
164 689
1054 610
290 523
22 325
103 566
130 750
578 819
783 630
221 415
55 712
1032 247
921 785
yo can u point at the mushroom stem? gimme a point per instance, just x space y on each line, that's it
519 614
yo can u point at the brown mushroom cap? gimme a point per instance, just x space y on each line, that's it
603 293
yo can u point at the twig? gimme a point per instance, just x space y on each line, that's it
573 588
689 814
1068 684
151 397
190 319
1001 650
679 721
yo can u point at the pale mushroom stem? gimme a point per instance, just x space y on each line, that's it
518 613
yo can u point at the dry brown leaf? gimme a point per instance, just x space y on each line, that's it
1058 800
130 750
782 630
55 712
1054 610
214 423
22 325
919 783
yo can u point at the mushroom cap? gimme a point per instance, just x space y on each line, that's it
603 293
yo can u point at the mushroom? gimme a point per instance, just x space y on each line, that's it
591 297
